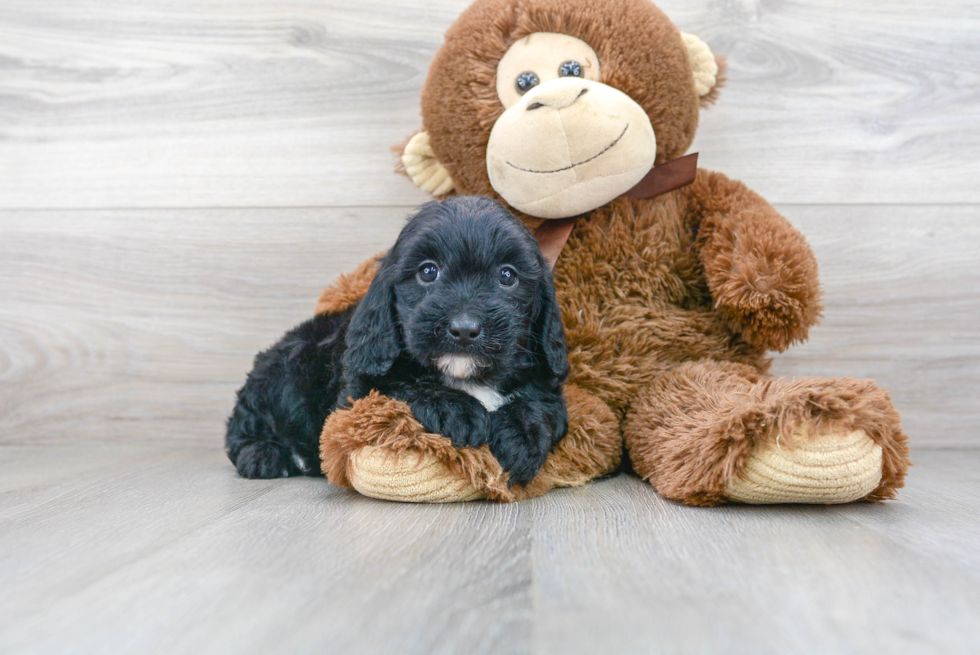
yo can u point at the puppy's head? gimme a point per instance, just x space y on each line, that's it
464 290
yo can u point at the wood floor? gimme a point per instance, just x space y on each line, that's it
164 550
179 179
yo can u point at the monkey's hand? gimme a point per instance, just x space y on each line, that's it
761 273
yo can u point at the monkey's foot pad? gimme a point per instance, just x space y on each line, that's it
408 477
829 468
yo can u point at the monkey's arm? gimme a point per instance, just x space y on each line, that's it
760 270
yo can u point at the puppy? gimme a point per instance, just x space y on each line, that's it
460 322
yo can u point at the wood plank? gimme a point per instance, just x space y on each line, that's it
22 475
139 325
939 514
902 296
175 557
61 535
843 102
128 325
174 553
261 103
663 578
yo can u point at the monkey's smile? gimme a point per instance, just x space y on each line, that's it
584 161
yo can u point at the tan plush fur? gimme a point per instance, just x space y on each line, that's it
670 304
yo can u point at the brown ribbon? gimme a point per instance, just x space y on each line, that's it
551 237
666 177
552 234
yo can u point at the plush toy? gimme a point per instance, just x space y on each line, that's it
673 281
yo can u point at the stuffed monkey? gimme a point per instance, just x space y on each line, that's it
674 282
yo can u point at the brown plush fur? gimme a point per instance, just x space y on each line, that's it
591 449
349 288
690 431
670 304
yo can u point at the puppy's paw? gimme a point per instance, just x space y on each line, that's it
520 464
520 453
522 435
465 422
467 429
265 460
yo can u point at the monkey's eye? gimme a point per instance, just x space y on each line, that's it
428 273
526 81
508 276
570 69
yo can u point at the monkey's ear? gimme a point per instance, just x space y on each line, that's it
708 70
422 167
551 332
373 341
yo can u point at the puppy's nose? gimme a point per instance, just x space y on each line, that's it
464 330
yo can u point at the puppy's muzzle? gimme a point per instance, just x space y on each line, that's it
464 330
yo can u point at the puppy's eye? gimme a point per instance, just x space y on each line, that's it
508 276
428 272
570 69
526 81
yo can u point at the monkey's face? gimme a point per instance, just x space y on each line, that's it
566 142
558 106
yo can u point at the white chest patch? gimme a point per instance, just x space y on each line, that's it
489 397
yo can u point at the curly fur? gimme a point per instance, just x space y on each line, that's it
293 386
398 332
401 339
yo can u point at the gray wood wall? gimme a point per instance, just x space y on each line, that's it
179 179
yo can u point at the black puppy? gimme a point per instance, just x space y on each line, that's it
460 322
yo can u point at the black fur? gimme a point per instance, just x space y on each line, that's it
292 388
401 328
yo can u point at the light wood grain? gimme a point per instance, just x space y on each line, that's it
150 550
939 515
179 555
125 328
902 295
164 103
126 507
665 578
139 325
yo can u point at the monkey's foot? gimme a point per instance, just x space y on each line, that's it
376 447
829 468
380 450
709 433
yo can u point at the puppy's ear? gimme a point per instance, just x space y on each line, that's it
551 332
373 341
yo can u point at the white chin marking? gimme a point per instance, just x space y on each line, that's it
460 367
